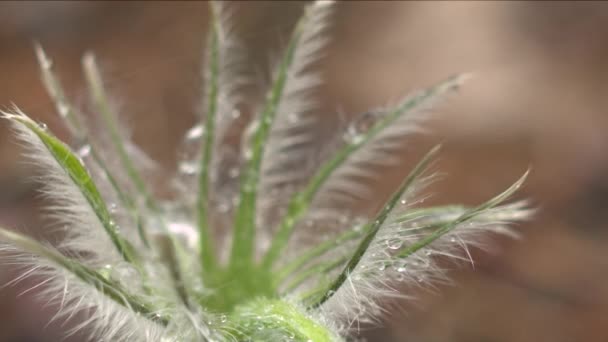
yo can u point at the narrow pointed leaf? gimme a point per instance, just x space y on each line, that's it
301 201
208 140
89 276
244 233
72 120
101 102
81 179
468 215
376 224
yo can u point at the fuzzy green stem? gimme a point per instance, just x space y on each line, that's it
263 320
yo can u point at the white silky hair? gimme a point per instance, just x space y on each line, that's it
104 319
86 241
285 165
381 275
292 141
354 180
70 211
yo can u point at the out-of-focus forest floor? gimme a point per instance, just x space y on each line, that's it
539 99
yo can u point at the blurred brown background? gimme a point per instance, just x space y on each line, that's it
538 99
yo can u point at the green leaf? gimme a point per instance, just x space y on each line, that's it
81 179
72 120
100 99
300 202
466 216
106 287
244 231
207 143
375 226
57 94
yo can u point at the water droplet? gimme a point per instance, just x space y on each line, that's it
235 200
195 132
43 126
224 207
394 244
105 271
359 126
188 167
353 138
63 109
403 201
46 63
184 230
223 318
247 153
113 207
124 273
84 151
453 240
402 269
382 267
233 172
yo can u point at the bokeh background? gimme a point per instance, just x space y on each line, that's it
538 99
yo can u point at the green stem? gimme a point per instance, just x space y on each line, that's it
263 320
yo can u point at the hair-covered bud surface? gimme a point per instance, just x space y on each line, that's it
233 256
